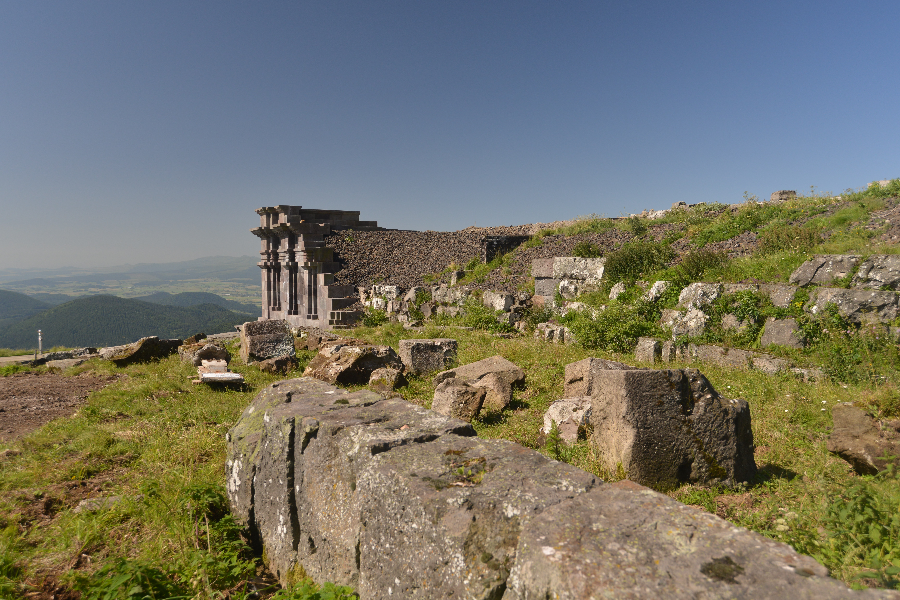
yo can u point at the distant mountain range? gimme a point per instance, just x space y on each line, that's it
108 320
225 268
103 320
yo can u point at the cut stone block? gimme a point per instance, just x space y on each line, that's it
497 301
781 332
648 350
442 520
459 399
669 427
780 294
508 370
386 380
427 356
498 391
351 363
580 377
633 542
571 415
266 339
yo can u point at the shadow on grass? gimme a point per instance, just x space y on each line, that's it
769 473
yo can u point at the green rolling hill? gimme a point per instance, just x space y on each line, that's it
197 298
15 307
108 320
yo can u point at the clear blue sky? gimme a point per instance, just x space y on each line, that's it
150 131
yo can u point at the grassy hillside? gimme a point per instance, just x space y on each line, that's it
15 307
198 298
108 320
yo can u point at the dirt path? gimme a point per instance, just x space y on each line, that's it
29 400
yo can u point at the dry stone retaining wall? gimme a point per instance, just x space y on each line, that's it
401 502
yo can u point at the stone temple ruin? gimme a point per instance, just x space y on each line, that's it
298 269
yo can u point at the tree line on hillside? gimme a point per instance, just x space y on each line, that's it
108 320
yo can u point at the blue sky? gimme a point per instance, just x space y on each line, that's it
150 131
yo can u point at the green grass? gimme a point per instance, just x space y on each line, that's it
157 442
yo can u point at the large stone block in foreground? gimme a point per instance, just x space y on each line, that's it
401 502
668 427
623 540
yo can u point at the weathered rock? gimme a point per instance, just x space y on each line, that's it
293 461
735 288
266 339
782 196
623 540
822 269
542 268
546 287
195 339
769 364
277 364
507 370
571 415
386 496
427 309
197 353
347 364
456 276
443 519
427 356
588 271
498 391
497 301
858 306
656 291
450 311
691 323
780 294
552 332
448 295
879 272
731 322
387 292
781 332
411 294
647 350
669 427
386 380
458 398
616 290
861 440
699 295
143 350
580 377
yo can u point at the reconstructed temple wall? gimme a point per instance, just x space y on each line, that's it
298 268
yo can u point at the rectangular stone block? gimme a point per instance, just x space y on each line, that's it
546 287
427 356
648 350
668 427
580 376
542 268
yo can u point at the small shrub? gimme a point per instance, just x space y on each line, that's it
695 265
863 525
615 329
635 225
373 317
635 259
310 591
123 579
781 238
586 249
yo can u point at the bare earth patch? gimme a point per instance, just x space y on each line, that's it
30 400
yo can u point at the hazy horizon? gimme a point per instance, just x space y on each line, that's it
149 133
